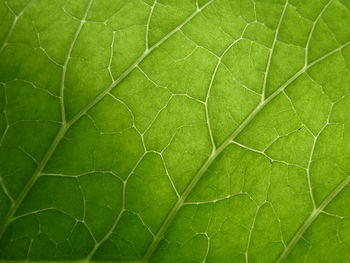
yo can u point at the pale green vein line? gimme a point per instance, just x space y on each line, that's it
65 127
203 169
65 65
272 50
169 219
315 213
218 63
8 218
134 65
32 180
13 25
313 29
149 22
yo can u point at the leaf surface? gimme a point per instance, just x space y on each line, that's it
174 131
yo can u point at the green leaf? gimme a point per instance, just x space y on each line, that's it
175 131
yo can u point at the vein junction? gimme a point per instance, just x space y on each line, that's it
180 194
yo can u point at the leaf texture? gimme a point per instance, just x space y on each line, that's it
175 131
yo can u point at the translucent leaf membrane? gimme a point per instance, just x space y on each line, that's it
174 131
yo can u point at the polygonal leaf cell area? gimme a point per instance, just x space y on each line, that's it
175 131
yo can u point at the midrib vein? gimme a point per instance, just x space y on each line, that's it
100 96
308 222
198 176
67 125
32 180
63 130
168 220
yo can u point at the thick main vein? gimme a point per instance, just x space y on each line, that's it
56 140
66 126
308 222
169 219
203 168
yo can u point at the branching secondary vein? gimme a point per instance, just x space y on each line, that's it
216 151
66 126
220 149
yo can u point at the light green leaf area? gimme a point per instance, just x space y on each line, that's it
175 131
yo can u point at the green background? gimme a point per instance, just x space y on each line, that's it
175 130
